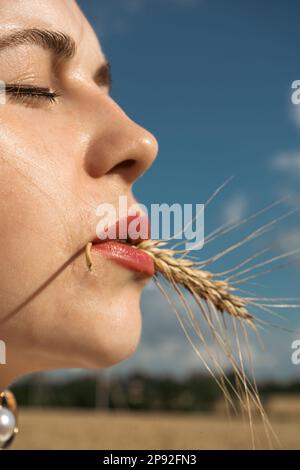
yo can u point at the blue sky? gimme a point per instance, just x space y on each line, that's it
212 80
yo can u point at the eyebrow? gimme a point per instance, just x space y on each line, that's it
58 42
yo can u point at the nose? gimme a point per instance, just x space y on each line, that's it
119 145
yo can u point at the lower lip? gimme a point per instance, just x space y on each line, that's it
126 255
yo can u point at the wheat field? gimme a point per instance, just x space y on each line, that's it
89 429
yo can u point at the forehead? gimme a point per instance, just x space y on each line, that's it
59 15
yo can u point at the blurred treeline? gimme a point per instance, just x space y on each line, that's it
134 392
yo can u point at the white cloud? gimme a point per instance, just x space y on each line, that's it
235 208
287 162
289 240
291 197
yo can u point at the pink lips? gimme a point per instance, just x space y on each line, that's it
125 254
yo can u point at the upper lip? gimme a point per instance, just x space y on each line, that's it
126 220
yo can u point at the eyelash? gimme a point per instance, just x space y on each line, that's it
30 94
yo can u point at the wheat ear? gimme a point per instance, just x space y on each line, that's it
196 281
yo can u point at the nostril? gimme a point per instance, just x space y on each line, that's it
124 165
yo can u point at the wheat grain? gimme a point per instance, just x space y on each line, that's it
184 272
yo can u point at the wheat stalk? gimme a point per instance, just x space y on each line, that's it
202 284
196 281
219 298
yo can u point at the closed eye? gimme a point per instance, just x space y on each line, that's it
30 93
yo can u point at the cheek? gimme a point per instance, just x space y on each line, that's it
35 214
33 231
37 206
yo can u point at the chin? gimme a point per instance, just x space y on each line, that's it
109 334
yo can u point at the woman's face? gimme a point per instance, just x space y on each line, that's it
59 161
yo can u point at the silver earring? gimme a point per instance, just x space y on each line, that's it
8 418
